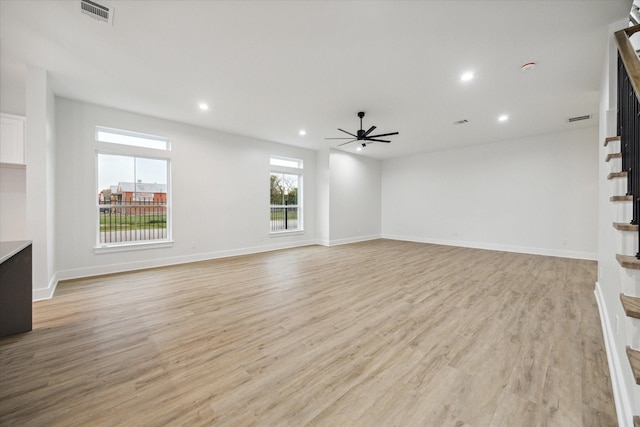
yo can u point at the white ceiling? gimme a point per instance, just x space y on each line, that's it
271 68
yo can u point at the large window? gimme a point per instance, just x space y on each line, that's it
285 213
133 189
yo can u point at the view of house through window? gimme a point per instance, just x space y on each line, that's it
132 199
285 195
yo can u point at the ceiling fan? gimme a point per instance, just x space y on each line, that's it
364 136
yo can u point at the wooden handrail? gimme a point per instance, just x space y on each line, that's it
629 57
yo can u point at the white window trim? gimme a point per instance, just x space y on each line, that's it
116 149
135 246
284 233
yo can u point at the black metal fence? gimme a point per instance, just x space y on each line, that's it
284 218
132 221
629 131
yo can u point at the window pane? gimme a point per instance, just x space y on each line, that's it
113 169
277 191
290 189
289 163
132 199
284 189
130 138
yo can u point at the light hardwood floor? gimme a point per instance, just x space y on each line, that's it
380 333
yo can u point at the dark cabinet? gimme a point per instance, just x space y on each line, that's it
15 288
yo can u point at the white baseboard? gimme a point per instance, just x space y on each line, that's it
497 247
620 393
353 240
46 293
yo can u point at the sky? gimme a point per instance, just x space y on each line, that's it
113 169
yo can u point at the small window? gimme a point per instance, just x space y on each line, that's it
285 183
285 162
134 139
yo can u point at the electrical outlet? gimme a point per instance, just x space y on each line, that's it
193 245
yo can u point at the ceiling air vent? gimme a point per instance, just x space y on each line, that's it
97 11
461 122
578 118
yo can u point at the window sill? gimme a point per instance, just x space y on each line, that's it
285 233
132 247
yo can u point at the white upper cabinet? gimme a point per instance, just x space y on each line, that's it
12 139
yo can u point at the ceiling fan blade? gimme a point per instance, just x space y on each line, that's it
345 143
377 140
349 133
339 138
369 131
384 134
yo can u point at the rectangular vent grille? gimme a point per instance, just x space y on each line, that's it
461 122
578 118
97 11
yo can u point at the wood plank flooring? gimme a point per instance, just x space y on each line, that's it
380 333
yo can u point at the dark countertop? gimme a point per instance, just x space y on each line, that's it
9 249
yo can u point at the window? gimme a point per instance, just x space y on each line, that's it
134 139
285 213
133 190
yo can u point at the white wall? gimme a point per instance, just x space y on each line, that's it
13 203
323 174
13 187
354 198
40 179
12 88
535 195
220 192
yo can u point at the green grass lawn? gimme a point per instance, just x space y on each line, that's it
132 222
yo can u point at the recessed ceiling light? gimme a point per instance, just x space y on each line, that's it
465 77
503 118
203 106
302 132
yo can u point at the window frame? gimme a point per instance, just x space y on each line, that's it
132 134
299 172
118 149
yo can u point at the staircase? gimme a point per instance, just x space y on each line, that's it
622 157
627 244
